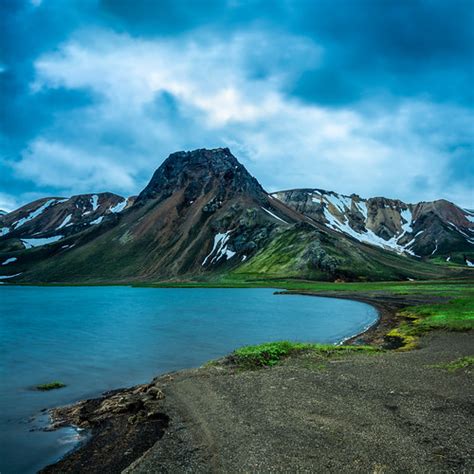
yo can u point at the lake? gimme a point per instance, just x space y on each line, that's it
99 338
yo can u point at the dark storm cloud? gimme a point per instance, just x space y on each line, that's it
383 78
28 31
152 18
408 46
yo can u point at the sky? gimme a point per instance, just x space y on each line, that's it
373 97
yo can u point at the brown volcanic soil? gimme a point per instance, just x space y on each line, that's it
388 412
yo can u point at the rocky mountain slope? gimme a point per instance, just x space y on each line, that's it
48 220
202 216
436 229
201 210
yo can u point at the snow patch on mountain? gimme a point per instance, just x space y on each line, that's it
95 202
219 248
119 207
33 214
4 277
9 260
29 243
407 217
98 220
273 215
469 215
362 207
65 222
469 238
367 237
340 202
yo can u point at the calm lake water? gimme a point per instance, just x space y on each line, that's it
100 338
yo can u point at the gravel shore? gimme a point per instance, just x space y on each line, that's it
385 412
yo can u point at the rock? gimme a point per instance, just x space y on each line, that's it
156 393
316 257
427 229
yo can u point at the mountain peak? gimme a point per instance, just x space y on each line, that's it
198 172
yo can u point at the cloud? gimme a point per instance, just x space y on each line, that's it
56 164
374 98
204 71
8 203
153 97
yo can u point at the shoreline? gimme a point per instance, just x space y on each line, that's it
350 339
386 304
125 412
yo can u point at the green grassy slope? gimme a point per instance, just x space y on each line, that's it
331 257
120 253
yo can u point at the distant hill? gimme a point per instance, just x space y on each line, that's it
202 216
53 215
434 230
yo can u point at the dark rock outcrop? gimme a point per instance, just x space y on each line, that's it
198 172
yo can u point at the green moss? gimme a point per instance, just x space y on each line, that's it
402 340
455 288
461 363
50 386
455 315
286 257
270 353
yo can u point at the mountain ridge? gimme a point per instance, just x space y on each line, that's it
202 215
422 229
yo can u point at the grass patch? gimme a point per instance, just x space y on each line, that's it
455 315
461 363
448 288
50 386
401 338
271 353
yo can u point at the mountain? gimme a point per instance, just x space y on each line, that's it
436 230
200 210
50 219
201 216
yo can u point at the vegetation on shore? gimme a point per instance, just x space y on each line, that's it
461 363
271 353
455 315
453 288
50 386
